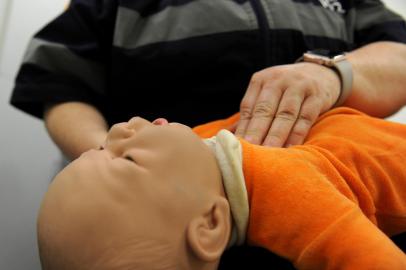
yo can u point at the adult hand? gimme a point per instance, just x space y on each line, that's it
282 103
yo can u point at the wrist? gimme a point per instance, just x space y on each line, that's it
333 83
337 63
328 83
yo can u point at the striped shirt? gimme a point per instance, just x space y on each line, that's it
187 60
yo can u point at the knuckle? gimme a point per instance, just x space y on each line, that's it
287 114
317 103
255 78
300 77
306 119
263 109
313 84
276 73
272 86
307 84
245 104
245 112
300 132
276 138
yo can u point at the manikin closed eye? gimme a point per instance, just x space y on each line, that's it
129 158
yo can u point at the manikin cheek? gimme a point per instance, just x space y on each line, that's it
160 122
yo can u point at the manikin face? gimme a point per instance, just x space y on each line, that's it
149 179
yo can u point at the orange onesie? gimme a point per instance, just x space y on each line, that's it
332 202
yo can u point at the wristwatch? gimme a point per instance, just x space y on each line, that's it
337 62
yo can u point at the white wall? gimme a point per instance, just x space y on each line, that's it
25 18
4 16
28 158
397 5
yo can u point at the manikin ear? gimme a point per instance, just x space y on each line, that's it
208 234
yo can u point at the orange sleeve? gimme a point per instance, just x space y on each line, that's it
320 204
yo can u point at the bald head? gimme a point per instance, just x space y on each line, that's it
110 207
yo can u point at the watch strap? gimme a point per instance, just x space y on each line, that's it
344 70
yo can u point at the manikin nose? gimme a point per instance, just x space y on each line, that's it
126 130
120 131
116 137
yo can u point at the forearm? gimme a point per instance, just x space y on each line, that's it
75 127
379 87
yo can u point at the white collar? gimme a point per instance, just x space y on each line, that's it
228 152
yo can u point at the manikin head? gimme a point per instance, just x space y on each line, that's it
151 199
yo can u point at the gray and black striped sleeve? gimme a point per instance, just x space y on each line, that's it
67 59
372 21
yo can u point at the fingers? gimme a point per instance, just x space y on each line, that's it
247 105
283 102
280 118
285 118
308 115
263 114
279 135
